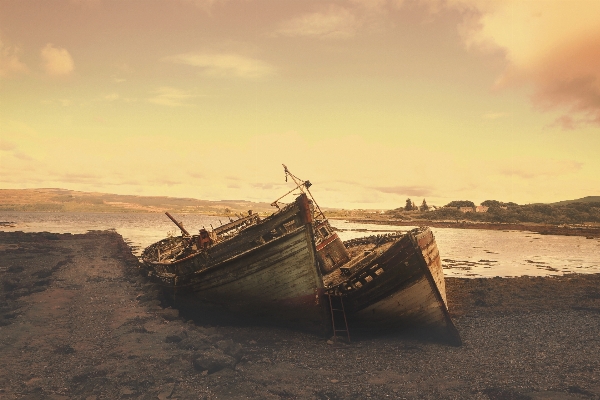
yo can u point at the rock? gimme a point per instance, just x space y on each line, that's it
193 341
65 349
149 295
153 304
170 314
213 360
173 339
231 348
166 392
127 392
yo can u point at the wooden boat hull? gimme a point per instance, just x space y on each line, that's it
403 287
277 282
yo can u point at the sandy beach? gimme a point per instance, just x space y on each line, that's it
77 320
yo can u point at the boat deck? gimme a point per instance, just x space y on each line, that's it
357 254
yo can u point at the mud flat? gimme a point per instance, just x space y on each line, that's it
78 321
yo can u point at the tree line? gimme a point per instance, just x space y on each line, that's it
509 212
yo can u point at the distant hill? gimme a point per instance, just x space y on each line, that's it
70 200
587 199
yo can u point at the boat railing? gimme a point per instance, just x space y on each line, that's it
223 230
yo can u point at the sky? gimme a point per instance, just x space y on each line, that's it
373 101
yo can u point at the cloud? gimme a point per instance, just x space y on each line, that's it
554 46
56 60
165 182
378 5
224 64
10 64
335 22
196 175
5 145
566 122
125 182
531 168
22 156
12 149
338 21
264 186
406 190
170 96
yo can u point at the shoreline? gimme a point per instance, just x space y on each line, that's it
78 320
589 231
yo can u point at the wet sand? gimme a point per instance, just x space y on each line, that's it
77 320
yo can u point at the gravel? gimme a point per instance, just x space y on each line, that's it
78 321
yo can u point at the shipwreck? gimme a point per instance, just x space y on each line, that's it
292 268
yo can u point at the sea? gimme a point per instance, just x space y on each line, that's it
466 253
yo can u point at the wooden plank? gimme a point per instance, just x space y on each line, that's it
279 283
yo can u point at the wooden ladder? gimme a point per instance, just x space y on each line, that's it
339 308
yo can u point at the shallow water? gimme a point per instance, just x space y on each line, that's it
489 253
139 229
464 252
